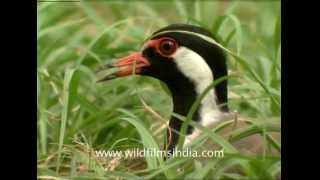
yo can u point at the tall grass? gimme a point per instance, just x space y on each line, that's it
77 116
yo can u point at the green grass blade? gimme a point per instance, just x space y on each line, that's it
91 13
247 67
229 148
181 9
60 27
193 109
219 24
257 128
147 139
94 41
64 114
197 10
165 168
43 130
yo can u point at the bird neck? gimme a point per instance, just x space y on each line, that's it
184 94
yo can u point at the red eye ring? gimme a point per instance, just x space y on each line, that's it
164 46
167 47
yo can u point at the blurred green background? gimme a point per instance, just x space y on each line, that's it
76 115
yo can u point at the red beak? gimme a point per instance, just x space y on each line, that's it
132 64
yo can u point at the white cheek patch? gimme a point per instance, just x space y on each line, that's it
193 66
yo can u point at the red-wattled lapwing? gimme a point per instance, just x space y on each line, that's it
187 59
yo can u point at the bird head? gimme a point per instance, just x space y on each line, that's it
182 56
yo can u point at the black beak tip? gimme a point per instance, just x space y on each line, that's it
106 66
107 78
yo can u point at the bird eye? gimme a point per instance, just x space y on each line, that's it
167 47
